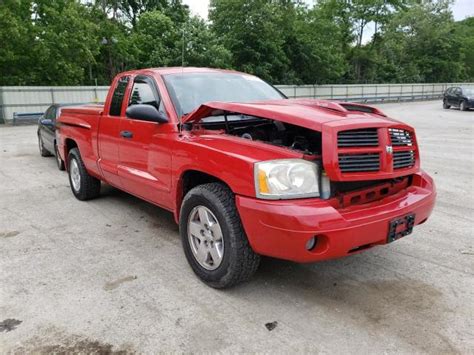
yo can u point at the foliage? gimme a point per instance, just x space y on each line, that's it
72 42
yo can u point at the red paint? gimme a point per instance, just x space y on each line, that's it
151 166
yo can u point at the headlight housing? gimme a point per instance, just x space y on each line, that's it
286 179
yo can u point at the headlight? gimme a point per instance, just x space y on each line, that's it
286 178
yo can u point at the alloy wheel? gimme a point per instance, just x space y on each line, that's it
205 238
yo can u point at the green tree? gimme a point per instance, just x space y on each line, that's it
132 9
117 50
314 46
421 44
202 47
17 34
465 30
66 41
252 31
157 40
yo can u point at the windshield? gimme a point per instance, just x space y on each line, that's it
189 91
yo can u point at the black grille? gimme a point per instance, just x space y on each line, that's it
400 137
349 163
366 137
403 159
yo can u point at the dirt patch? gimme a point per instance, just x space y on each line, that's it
114 284
56 342
10 234
80 347
9 324
411 310
270 326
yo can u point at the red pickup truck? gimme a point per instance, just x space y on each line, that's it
246 171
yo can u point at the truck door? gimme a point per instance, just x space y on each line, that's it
109 132
144 151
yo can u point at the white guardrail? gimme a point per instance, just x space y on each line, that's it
30 101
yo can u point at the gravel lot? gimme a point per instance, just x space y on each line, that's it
109 275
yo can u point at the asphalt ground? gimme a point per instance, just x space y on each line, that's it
109 275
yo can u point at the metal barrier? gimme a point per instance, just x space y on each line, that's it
27 99
26 118
370 92
33 99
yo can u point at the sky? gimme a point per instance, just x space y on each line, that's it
461 8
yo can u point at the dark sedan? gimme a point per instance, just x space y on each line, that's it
47 132
456 96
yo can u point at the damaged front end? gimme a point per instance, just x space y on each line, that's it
361 156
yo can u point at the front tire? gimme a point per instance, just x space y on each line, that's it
59 161
213 237
83 186
43 151
446 106
463 106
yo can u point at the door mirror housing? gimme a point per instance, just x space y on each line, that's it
46 122
145 112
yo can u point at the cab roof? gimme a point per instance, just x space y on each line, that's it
181 70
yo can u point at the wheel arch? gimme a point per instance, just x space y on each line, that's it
69 144
189 179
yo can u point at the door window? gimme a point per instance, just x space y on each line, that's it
52 114
117 98
49 113
144 92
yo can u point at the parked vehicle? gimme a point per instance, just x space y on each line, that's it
461 97
47 133
246 171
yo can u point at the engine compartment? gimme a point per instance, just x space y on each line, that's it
306 141
265 130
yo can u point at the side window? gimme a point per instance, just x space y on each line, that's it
52 114
457 91
117 97
144 92
47 113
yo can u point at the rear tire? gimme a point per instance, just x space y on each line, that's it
446 105
43 151
235 260
83 186
59 161
463 106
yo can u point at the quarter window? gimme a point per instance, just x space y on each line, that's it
117 98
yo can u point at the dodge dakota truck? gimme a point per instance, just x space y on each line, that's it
246 171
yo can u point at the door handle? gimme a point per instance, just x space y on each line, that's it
126 134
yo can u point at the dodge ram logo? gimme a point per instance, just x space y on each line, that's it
389 149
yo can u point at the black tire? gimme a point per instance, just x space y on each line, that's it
239 261
446 105
59 161
88 187
43 151
463 106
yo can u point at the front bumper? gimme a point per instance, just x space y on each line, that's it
282 228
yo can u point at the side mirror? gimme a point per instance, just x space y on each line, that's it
145 112
46 122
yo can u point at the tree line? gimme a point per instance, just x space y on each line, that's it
71 42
